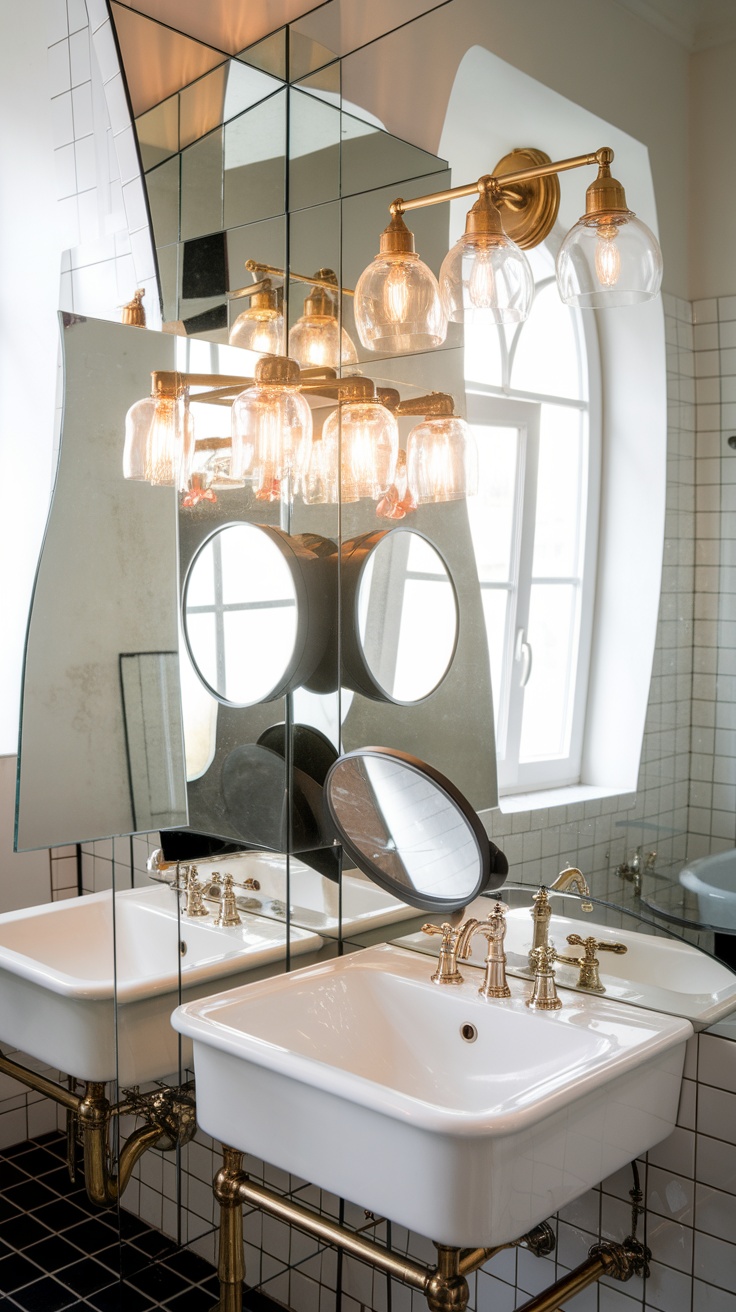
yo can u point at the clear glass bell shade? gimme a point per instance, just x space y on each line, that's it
608 261
159 442
361 439
398 306
317 340
486 279
271 436
442 461
260 330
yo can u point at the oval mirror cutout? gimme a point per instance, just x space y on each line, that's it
254 613
410 830
401 616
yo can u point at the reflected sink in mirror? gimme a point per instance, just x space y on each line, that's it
659 970
63 979
713 881
463 1120
314 901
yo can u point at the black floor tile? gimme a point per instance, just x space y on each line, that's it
131 1226
88 1276
29 1195
58 1178
10 1174
189 1265
21 1231
37 1162
53 1253
16 1271
195 1299
156 1244
158 1282
7 1210
120 1298
46 1295
91 1235
60 1215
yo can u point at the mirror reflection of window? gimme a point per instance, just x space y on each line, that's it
534 526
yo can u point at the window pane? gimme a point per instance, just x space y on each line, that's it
251 638
558 531
552 635
419 664
491 512
549 354
253 568
483 361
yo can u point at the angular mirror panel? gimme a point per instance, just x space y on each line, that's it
324 84
254 163
314 151
305 53
264 242
158 61
373 158
268 55
163 187
103 589
158 133
222 95
202 186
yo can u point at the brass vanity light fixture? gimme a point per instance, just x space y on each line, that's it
608 258
133 311
316 339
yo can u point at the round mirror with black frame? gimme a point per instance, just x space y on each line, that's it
410 830
255 613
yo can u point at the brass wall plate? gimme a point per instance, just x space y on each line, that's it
529 215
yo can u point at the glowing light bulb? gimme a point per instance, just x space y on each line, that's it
260 330
607 256
482 283
160 462
396 294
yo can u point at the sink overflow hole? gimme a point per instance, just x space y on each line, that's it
468 1032
182 948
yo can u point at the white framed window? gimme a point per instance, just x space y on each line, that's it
533 396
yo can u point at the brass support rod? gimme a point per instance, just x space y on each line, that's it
230 1260
254 266
400 1268
472 1259
40 1084
494 182
567 1286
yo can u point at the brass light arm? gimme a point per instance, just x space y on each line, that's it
435 404
314 280
495 183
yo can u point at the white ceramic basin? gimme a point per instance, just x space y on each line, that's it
661 973
470 1143
713 881
313 899
60 966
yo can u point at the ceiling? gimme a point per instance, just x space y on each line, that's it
694 24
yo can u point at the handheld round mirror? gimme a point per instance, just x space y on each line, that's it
399 618
254 612
410 830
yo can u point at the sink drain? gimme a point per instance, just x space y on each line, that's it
468 1032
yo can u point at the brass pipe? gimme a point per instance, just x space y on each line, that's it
40 1084
94 1118
601 1262
230 1260
472 1259
497 182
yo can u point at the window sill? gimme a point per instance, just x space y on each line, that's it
551 797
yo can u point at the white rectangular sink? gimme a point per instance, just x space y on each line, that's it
63 972
468 1142
314 900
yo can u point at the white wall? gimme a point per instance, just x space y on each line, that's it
712 191
30 251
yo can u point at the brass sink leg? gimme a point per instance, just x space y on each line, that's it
230 1260
447 1290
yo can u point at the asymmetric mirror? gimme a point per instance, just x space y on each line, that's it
408 828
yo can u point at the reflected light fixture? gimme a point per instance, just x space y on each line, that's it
609 258
441 457
355 456
159 435
316 339
271 430
260 328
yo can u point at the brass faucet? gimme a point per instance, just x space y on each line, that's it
542 911
544 994
193 903
494 931
570 877
228 913
447 971
589 977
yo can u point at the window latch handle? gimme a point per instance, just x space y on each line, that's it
524 654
